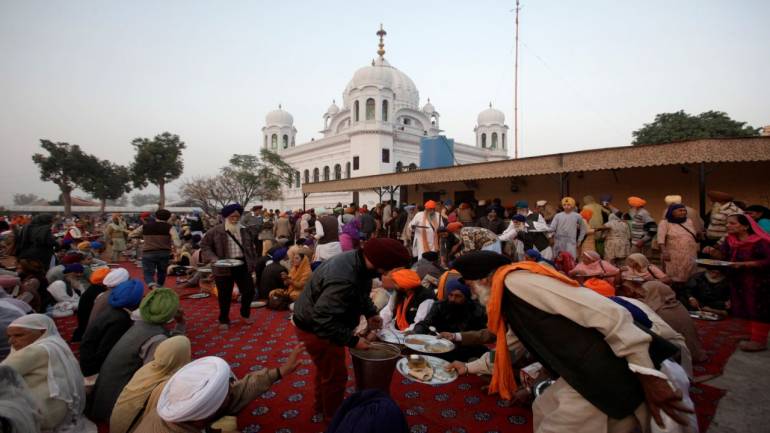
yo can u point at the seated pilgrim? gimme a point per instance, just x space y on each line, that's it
135 348
51 373
457 313
10 310
533 255
592 265
86 303
113 279
410 302
370 411
106 330
274 274
429 265
16 401
639 267
66 293
708 290
298 275
172 407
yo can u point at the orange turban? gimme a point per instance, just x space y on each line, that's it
97 276
600 286
84 246
453 227
636 202
430 204
406 279
586 214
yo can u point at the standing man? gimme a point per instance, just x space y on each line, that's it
424 228
115 235
492 222
641 239
253 222
327 234
230 240
330 307
159 236
568 229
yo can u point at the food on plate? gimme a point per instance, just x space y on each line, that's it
415 340
425 373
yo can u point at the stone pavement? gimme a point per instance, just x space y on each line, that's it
746 406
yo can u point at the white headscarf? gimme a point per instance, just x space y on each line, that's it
196 391
65 382
115 277
16 403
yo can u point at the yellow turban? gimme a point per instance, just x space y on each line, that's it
568 201
636 202
84 246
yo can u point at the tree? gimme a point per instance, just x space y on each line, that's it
157 161
274 173
106 181
66 165
206 193
120 201
680 126
140 200
24 199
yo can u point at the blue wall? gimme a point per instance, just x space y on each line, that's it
436 152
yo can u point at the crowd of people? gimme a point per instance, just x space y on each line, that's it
542 287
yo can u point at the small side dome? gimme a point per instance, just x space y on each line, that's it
279 117
333 109
491 116
428 108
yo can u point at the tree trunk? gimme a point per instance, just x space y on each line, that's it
162 200
103 205
66 199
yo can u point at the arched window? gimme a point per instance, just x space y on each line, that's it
337 172
326 173
399 166
370 109
494 141
355 111
307 176
290 180
347 170
433 120
285 141
412 166
385 110
503 140
296 179
315 174
274 141
483 141
265 141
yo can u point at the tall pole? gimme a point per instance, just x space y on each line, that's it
516 90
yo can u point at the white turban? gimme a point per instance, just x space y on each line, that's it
321 211
541 203
116 277
673 199
196 391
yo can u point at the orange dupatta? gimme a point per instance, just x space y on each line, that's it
503 381
401 321
441 288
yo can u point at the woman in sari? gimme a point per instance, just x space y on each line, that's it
747 247
171 355
298 274
678 242
51 372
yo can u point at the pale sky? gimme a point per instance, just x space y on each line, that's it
99 74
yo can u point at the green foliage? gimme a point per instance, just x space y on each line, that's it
107 180
157 161
140 200
66 165
680 126
24 199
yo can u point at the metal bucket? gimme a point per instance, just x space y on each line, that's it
374 367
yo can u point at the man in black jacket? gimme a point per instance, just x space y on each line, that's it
330 307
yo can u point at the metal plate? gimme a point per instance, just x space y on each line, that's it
390 335
199 295
258 304
440 376
705 315
712 262
428 344
228 263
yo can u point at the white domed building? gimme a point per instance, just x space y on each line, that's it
377 130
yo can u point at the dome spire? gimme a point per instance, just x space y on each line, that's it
381 33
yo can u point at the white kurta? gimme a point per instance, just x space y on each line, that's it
420 225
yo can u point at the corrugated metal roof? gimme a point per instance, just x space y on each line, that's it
687 152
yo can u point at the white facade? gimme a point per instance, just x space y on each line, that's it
377 130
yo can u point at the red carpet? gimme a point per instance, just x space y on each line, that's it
458 407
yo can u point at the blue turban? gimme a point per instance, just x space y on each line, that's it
96 245
448 202
67 242
519 218
535 254
230 208
458 284
605 198
370 410
127 294
73 267
522 204
279 254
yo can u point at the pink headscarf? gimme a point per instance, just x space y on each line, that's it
737 244
596 267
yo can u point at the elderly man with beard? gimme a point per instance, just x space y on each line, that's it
453 315
230 240
608 378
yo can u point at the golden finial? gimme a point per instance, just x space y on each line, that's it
381 33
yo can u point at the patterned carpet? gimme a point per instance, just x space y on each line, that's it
457 407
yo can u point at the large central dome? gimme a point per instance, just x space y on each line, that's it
382 75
